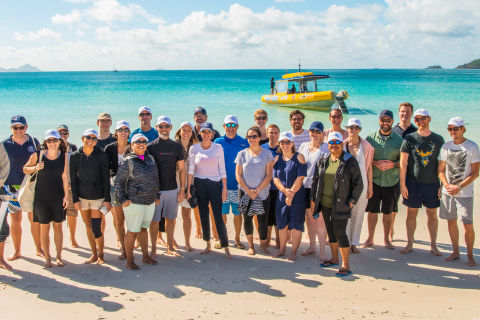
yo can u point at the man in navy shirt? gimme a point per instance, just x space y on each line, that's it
19 147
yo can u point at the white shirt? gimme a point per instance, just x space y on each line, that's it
311 158
207 163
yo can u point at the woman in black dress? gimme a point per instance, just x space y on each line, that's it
50 202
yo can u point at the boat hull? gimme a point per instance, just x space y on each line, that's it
313 100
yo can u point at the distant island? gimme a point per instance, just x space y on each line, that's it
25 68
434 67
475 64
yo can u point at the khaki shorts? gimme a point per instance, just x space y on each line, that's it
71 211
91 204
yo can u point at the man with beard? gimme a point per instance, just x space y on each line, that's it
299 134
385 177
200 116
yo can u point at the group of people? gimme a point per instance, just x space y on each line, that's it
324 178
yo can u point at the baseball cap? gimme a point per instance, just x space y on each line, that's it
316 125
52 133
421 112
206 126
122 123
456 121
354 122
335 136
186 123
104 115
164 119
137 137
286 136
230 119
202 110
144 108
62 127
18 120
90 131
386 113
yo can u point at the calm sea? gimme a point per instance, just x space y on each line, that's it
47 99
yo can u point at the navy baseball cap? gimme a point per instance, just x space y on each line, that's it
18 120
316 125
201 110
206 126
386 113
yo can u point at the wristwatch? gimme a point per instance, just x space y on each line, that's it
459 187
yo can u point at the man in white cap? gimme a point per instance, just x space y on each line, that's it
169 157
457 169
232 144
145 117
419 183
105 137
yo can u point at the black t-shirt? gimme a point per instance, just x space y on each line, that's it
403 133
166 154
263 141
422 156
102 143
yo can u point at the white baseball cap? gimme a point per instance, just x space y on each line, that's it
335 136
286 136
90 132
230 119
354 122
421 112
144 108
52 133
456 121
122 123
164 119
137 137
186 123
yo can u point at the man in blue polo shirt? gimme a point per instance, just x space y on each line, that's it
19 147
145 117
232 144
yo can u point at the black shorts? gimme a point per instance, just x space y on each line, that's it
271 220
386 197
419 194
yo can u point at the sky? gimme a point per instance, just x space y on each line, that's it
62 35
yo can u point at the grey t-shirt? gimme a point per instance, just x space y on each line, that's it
253 167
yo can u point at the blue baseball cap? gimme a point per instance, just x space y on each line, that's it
386 113
18 120
316 125
202 110
206 126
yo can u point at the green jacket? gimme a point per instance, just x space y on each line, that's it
388 149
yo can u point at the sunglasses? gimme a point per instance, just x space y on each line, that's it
91 138
63 133
336 117
52 140
206 131
418 119
144 114
261 118
141 142
315 131
231 125
18 128
355 128
453 129
253 136
163 126
386 120
126 130
334 142
286 142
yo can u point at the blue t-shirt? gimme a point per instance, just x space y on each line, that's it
274 154
151 135
231 147
18 156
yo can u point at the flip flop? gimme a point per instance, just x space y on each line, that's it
328 263
343 273
217 246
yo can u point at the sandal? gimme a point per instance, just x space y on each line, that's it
239 245
328 263
217 245
343 272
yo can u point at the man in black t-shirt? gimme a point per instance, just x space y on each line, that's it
405 126
104 122
169 157
419 181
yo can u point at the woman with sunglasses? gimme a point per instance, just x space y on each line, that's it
312 151
206 170
254 174
136 185
336 188
363 152
90 178
289 171
51 188
260 117
117 152
186 137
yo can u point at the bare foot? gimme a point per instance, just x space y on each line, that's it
188 247
101 259
132 266
75 244
292 257
161 242
153 255
267 243
92 259
264 249
172 252
228 254
309 251
406 250
119 245
206 250
4 265
277 245
59 262
289 241
149 260
434 250
453 256
175 245
122 256
354 249
14 256
471 261
251 251
137 244
322 257
278 254
40 254
48 264
389 245
198 235
367 243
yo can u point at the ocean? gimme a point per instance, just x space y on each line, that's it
48 99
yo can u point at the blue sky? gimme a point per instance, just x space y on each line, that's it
222 34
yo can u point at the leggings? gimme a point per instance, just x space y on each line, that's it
272 196
209 191
261 218
4 229
336 228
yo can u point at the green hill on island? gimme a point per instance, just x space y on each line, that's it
475 64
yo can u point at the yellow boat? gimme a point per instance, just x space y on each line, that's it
299 90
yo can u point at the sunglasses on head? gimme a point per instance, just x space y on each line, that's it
141 142
163 126
123 130
315 131
287 142
91 138
253 136
51 140
453 129
146 114
18 128
231 125
261 118
334 142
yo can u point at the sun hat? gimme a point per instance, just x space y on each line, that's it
335 136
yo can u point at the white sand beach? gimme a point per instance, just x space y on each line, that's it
385 284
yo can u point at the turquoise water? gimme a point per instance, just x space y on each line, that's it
47 99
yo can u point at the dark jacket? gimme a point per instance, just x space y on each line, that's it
139 185
348 185
112 152
89 175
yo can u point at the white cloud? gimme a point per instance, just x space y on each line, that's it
44 33
70 18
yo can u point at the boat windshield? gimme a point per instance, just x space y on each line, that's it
281 86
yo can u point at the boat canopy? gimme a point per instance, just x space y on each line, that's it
303 76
